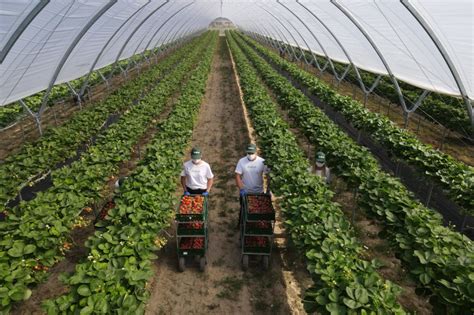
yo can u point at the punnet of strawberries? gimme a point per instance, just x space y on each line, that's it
256 241
259 225
259 204
191 204
191 243
192 225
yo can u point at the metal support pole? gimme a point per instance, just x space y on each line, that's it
35 116
96 60
376 49
319 43
444 53
159 28
133 33
71 47
74 93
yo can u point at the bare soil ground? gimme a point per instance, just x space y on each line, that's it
223 288
427 131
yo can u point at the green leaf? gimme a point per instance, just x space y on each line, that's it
425 278
84 290
19 293
351 303
30 248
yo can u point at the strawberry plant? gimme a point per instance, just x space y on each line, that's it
440 259
47 220
115 275
316 224
455 177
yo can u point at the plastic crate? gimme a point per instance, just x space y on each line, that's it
188 217
252 247
184 229
252 216
191 251
259 228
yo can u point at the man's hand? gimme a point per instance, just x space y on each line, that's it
243 192
186 193
206 193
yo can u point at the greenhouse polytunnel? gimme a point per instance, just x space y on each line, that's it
233 156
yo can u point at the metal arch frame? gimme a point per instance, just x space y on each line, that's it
133 33
344 50
336 75
299 47
159 28
444 53
167 20
83 88
178 33
266 35
21 28
349 15
163 24
71 47
175 34
284 37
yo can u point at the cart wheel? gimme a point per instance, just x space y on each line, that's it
266 262
202 263
245 262
181 264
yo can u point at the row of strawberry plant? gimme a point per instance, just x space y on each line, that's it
34 236
448 111
455 177
114 278
343 281
60 143
440 259
12 112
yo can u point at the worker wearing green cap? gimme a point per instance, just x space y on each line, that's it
250 170
196 176
321 168
249 173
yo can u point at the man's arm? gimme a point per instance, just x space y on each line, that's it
238 180
267 180
210 181
183 182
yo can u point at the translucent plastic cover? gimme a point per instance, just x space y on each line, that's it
35 36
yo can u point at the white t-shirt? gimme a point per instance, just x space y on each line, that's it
197 174
251 173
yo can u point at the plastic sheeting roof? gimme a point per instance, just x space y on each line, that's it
35 35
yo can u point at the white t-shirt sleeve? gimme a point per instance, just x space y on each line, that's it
209 174
239 169
183 171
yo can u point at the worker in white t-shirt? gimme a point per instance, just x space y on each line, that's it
196 176
249 173
321 169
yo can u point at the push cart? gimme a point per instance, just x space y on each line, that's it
256 228
192 230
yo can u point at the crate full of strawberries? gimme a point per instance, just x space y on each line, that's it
259 228
192 245
256 244
259 207
191 228
192 208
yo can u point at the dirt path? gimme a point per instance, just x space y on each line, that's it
223 288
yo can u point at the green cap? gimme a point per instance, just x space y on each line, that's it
196 153
251 148
320 157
